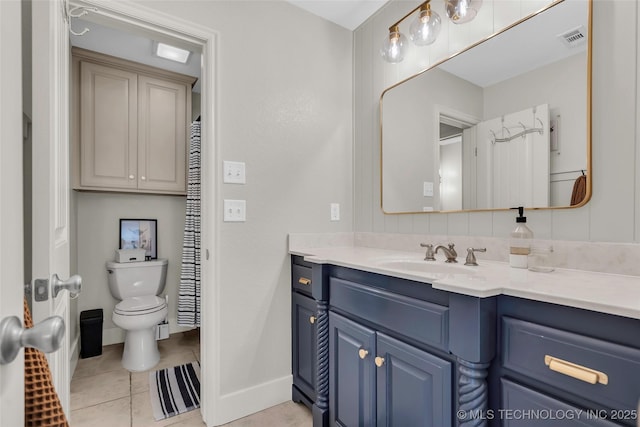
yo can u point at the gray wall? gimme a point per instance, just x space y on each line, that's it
283 106
612 215
97 230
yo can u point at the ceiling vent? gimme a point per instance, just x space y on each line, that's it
574 37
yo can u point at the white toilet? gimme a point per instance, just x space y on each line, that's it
137 286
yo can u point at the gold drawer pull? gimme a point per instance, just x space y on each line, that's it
579 372
362 353
379 361
312 319
304 281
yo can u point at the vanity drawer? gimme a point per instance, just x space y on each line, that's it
416 319
597 370
524 407
301 278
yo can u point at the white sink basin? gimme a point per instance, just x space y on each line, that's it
431 268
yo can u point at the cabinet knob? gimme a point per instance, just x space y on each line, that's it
379 361
132 177
362 353
312 319
144 178
304 281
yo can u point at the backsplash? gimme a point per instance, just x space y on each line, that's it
614 258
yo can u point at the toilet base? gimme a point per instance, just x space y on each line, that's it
140 350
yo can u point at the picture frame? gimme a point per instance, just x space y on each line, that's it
139 234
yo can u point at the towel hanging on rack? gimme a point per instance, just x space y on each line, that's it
579 190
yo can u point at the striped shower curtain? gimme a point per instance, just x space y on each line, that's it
189 293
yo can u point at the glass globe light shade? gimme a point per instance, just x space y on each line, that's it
461 11
394 46
425 28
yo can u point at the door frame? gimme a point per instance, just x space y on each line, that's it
150 21
11 221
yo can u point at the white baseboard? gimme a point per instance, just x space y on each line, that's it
245 402
112 336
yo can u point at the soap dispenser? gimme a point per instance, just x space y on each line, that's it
520 243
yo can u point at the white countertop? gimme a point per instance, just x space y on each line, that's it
603 292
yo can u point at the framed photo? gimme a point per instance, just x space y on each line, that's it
140 234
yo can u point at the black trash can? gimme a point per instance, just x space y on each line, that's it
91 333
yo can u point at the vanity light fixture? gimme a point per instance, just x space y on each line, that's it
461 11
172 53
425 28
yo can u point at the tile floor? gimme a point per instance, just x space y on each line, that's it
103 393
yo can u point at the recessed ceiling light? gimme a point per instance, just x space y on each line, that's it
172 53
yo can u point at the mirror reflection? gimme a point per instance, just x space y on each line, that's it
502 124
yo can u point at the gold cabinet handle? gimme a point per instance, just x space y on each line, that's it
379 361
312 319
362 353
304 281
579 372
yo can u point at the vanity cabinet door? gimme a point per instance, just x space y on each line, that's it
352 349
413 386
304 344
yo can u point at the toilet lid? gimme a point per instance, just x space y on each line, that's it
140 305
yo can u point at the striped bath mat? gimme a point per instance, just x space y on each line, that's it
174 390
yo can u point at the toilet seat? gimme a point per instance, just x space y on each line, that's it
137 306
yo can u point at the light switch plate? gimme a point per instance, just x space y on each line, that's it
428 189
234 172
235 210
335 211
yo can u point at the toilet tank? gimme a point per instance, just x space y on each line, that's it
133 279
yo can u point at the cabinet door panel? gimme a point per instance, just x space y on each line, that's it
413 386
108 130
304 345
162 136
351 378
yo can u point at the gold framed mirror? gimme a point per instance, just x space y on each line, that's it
505 122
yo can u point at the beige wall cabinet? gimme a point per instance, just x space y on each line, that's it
130 131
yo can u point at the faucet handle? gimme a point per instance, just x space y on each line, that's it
453 251
471 257
429 256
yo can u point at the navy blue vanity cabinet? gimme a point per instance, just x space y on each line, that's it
563 366
379 380
310 337
303 333
389 352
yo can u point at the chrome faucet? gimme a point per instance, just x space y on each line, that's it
429 255
449 252
471 257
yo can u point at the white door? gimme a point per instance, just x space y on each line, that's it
11 244
51 190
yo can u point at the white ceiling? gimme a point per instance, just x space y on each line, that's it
346 13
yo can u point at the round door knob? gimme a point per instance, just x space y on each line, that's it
312 319
379 361
362 353
144 178
132 176
46 336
